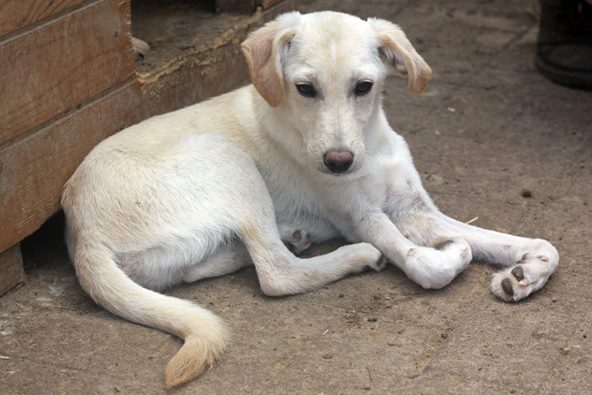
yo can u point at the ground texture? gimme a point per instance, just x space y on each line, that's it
492 139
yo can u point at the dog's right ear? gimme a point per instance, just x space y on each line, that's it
263 51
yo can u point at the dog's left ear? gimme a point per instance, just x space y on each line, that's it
396 49
263 51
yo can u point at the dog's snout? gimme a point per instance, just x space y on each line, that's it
338 160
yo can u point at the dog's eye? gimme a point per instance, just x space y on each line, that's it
363 87
306 90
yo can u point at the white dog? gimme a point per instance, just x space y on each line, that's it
303 155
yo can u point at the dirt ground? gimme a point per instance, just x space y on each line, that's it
491 138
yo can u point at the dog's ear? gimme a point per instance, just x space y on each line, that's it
263 50
396 49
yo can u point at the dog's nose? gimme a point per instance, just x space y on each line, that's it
338 160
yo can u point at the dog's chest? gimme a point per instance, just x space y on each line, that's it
300 200
293 198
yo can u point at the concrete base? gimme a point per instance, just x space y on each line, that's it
489 128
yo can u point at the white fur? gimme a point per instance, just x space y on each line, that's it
193 193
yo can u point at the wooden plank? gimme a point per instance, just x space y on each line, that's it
34 170
16 14
11 269
278 7
269 3
237 6
208 74
58 65
212 65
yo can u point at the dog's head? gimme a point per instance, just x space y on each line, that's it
324 73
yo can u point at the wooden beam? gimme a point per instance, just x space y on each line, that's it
16 14
213 65
56 66
34 170
11 269
265 4
237 6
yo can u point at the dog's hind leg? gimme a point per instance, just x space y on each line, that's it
305 230
297 241
228 259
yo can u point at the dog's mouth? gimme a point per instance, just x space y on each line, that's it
339 173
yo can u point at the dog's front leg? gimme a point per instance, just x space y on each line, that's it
529 262
280 272
429 267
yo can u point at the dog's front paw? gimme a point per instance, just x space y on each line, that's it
516 283
434 268
529 275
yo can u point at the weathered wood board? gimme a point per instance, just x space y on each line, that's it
11 269
268 3
16 14
244 6
34 170
60 64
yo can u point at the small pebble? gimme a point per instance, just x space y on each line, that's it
526 193
565 350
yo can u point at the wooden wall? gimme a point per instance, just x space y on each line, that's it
67 82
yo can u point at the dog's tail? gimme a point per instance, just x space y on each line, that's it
109 286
